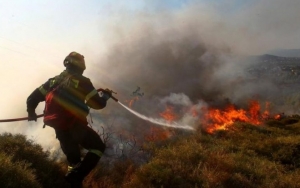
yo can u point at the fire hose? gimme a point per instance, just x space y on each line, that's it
18 119
41 115
149 119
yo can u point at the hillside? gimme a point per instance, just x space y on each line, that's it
286 52
25 164
282 70
245 155
279 76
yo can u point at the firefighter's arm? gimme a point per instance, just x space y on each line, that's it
37 96
32 102
96 101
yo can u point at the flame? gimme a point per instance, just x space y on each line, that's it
277 117
266 113
131 101
193 111
159 134
168 114
216 119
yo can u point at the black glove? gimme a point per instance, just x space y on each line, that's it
106 94
32 115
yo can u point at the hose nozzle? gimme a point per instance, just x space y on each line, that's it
110 92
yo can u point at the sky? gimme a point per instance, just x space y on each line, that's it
133 42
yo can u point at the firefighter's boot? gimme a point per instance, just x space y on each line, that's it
76 175
72 178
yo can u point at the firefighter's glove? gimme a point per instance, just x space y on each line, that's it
106 94
32 115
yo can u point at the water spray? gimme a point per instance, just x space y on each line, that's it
158 121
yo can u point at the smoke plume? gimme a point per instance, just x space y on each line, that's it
194 55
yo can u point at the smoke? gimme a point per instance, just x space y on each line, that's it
194 54
177 99
273 24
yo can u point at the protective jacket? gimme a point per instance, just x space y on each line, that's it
63 110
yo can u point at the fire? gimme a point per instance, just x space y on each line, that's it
266 113
216 119
277 117
168 114
131 101
159 134
194 112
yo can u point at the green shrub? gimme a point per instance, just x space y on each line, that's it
21 150
16 174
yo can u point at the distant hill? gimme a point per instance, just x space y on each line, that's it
281 70
285 52
271 59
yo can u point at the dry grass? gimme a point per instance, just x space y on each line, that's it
247 156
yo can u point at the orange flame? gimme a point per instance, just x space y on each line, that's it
277 117
159 134
216 119
266 113
193 112
168 114
131 101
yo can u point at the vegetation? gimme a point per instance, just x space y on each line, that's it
245 155
24 164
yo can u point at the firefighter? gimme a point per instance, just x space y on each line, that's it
66 112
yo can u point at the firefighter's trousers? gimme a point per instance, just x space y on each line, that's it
79 135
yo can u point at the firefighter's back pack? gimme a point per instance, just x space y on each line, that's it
62 107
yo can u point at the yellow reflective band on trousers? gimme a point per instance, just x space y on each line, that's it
97 152
91 94
42 90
